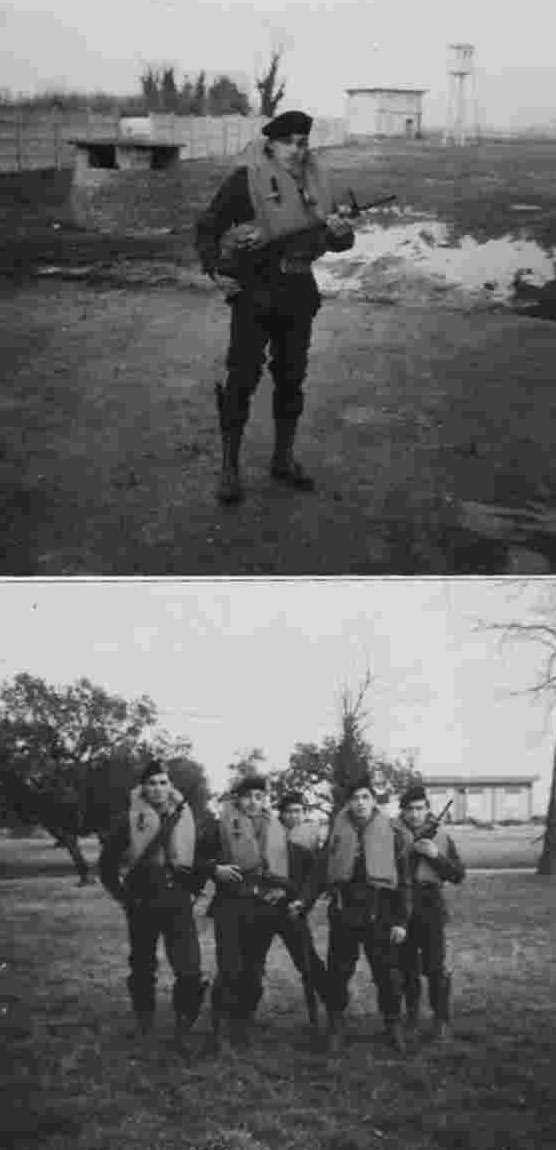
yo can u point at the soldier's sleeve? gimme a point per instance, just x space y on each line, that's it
449 867
231 205
403 898
112 853
207 854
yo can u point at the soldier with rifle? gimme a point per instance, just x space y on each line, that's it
252 906
272 217
152 863
434 860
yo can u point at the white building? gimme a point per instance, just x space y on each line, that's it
488 798
385 111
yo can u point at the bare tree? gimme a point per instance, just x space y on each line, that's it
270 90
540 629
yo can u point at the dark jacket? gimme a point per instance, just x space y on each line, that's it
394 905
230 206
150 883
448 866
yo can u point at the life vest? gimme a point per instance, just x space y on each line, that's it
242 847
423 870
281 207
305 835
144 824
378 843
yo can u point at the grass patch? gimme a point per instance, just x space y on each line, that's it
78 1077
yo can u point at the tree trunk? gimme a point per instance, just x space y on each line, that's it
71 844
547 861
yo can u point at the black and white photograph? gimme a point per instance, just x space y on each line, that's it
278 288
277 864
277 575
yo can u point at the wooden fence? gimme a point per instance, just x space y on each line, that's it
36 139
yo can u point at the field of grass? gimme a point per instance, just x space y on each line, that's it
512 847
78 1078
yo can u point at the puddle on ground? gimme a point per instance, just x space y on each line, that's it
396 256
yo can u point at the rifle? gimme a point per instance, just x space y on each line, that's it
431 827
236 260
356 210
272 881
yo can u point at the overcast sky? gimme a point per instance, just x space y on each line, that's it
237 665
328 46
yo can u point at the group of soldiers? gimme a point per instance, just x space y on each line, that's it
382 877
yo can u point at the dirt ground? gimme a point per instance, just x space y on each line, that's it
428 421
109 447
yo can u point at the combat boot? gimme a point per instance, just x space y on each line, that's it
395 1035
284 468
230 488
188 995
439 994
413 1005
145 1020
334 1037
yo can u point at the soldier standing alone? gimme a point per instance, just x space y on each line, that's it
434 860
257 240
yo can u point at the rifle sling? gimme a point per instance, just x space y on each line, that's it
160 840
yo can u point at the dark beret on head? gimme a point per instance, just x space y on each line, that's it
364 781
153 767
289 799
416 793
248 784
288 124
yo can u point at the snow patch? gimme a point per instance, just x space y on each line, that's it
424 247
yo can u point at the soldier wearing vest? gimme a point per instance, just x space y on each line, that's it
365 871
257 239
152 864
434 860
249 910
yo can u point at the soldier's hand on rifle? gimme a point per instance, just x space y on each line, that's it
296 907
398 935
225 872
338 224
274 897
427 848
228 286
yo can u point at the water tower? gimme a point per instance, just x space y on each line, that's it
462 122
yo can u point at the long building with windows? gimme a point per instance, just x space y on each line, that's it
487 798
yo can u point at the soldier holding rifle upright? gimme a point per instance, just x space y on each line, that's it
257 239
434 860
251 906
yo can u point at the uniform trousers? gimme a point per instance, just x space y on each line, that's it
277 318
244 929
350 931
176 925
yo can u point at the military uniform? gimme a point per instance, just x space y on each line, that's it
247 915
277 297
158 893
365 873
424 951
